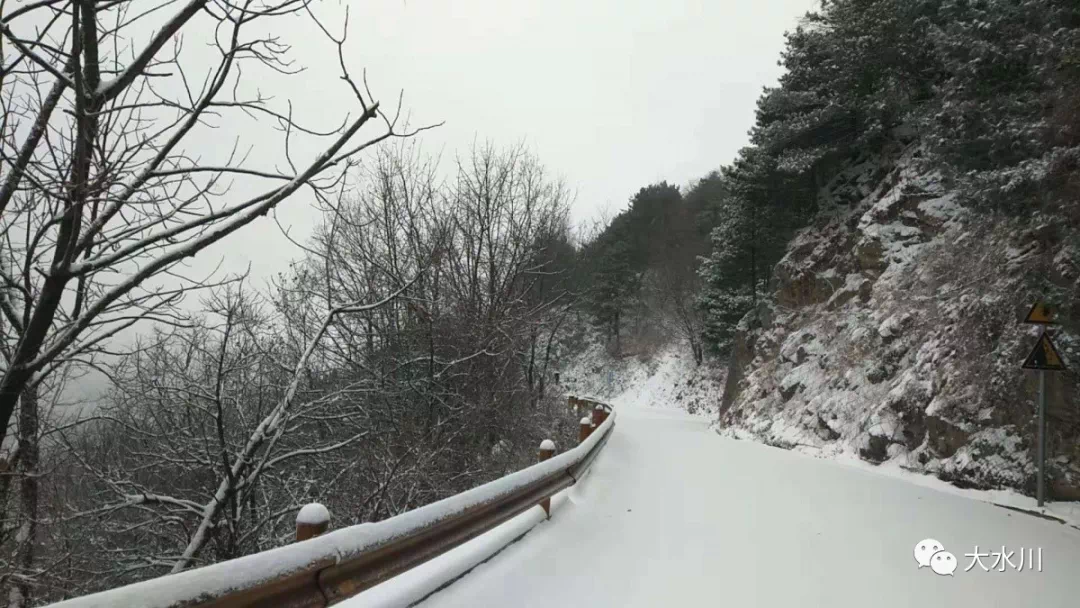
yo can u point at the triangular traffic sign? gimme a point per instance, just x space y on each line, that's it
1040 314
1044 356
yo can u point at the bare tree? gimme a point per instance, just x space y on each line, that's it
105 192
219 422
401 360
464 353
672 292
101 197
26 512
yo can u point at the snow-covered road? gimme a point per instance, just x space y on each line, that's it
673 515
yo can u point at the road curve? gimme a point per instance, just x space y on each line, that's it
673 515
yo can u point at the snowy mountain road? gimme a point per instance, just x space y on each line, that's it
673 515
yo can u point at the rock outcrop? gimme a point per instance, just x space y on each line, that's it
894 336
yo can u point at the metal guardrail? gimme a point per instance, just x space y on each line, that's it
335 566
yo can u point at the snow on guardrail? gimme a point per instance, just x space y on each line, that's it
209 582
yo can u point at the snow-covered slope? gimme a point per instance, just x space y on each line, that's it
894 336
667 377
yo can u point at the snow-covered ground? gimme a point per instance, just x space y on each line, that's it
673 515
1065 512
671 379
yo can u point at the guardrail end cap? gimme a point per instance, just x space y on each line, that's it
313 513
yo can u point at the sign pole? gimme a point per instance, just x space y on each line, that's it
1041 490
1044 357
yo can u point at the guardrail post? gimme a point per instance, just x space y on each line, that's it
585 430
598 415
547 450
311 521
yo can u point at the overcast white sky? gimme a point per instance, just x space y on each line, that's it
610 94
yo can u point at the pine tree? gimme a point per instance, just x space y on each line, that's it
856 70
1007 64
614 284
637 239
724 299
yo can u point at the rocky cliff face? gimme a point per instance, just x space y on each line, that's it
894 335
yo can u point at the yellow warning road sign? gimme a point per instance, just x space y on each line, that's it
1044 356
1040 314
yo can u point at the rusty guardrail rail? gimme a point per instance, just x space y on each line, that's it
326 568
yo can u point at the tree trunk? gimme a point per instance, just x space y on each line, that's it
21 592
618 344
530 371
753 274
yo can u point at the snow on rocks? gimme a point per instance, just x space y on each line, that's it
894 325
800 346
995 455
891 358
943 210
855 284
914 301
800 379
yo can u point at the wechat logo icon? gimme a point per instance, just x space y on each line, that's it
930 552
